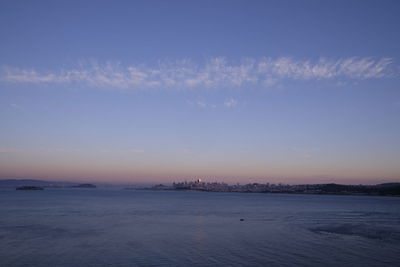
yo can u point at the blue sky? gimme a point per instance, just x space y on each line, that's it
235 91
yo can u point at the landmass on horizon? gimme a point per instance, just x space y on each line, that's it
32 184
384 189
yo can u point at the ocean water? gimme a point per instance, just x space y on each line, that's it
109 227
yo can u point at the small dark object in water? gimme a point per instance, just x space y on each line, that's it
29 188
241 220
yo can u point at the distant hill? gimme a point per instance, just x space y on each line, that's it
33 182
388 184
379 189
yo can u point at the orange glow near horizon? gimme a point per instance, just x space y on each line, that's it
167 173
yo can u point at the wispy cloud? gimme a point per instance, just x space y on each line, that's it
16 106
212 73
200 103
230 103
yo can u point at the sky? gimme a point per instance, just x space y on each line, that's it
230 91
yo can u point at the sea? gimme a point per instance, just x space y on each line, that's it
116 227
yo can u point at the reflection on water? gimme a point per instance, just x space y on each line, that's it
72 227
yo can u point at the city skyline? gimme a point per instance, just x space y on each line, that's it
231 91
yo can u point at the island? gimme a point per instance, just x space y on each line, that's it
84 186
25 187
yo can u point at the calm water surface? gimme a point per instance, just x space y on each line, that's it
108 227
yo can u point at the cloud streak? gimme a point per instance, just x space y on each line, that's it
200 103
213 73
230 103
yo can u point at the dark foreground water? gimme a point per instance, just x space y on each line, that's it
96 227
